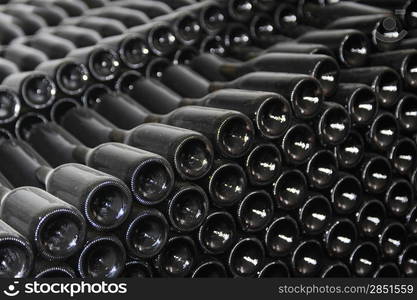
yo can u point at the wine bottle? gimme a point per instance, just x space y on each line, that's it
399 197
281 236
240 10
24 57
152 9
392 239
128 17
187 207
307 259
36 89
47 269
175 4
178 258
346 194
102 62
409 15
218 233
387 270
411 220
383 37
148 175
53 46
270 112
352 46
287 21
298 144
29 23
263 164
79 36
350 153
321 15
336 270
383 132
255 211
340 237
301 48
322 169
406 113
103 256
264 32
324 68
71 77
137 269
246 257
406 260
16 252
10 105
104 200
275 269
364 259
52 15
103 26
144 233
189 152
210 268
385 82
71 8
370 218
10 32
401 156
55 228
290 189
359 100
185 25
315 214
159 35
24 123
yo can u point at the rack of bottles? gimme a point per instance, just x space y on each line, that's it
216 138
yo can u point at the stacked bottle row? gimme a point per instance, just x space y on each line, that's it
253 151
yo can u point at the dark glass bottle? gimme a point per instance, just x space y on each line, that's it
298 144
10 105
255 211
211 15
47 269
71 8
71 77
288 22
392 239
174 4
103 256
336 270
385 82
383 132
187 207
28 22
407 259
264 32
240 10
409 17
399 197
340 238
333 125
387 270
376 174
36 89
102 62
275 269
16 252
79 36
402 156
210 268
270 112
145 232
411 220
9 32
304 48
359 100
307 259
346 194
137 269
290 189
52 15
370 218
282 236
315 214
103 26
53 46
406 113
350 153
322 169
218 233
263 164
54 227
352 46
323 68
178 258
152 9
104 200
364 259
24 57
148 175
128 17
246 257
